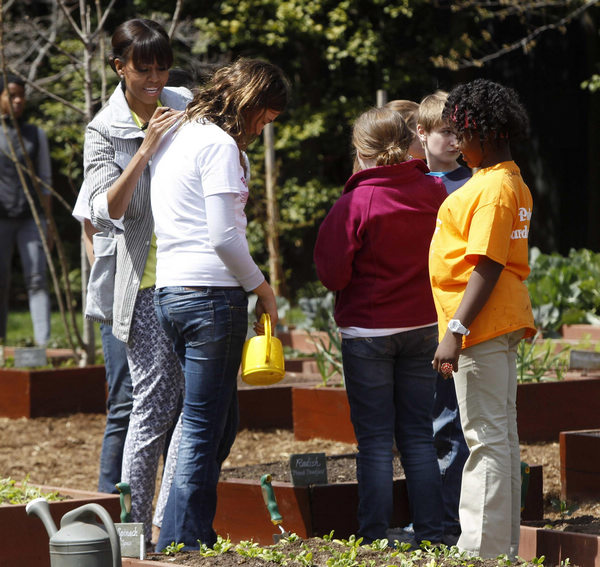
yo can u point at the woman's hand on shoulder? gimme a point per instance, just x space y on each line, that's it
162 119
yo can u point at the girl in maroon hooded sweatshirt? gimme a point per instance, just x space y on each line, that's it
372 250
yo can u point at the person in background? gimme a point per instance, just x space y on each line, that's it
17 225
439 142
371 250
478 263
442 153
119 144
409 110
204 272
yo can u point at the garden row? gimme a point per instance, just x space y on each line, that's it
547 410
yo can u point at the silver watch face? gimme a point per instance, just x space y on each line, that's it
455 326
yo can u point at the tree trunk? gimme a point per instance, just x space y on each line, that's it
272 229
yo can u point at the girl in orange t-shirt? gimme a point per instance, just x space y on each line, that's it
478 263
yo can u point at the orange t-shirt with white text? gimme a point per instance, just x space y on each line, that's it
488 216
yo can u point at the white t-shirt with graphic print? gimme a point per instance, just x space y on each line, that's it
199 192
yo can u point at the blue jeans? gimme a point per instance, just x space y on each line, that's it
25 235
208 327
452 450
390 386
118 408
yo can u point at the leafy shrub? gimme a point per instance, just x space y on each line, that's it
318 313
564 289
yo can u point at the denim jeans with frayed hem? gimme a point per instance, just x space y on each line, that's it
208 327
390 385
118 408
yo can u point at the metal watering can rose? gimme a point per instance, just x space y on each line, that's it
81 541
262 357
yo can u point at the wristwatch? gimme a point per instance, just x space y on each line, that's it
455 326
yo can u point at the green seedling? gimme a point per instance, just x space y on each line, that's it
173 548
563 508
347 553
12 492
328 355
221 546
538 361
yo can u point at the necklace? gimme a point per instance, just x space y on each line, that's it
138 121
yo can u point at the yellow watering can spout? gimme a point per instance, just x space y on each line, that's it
262 357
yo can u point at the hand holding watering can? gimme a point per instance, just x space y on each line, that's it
262 357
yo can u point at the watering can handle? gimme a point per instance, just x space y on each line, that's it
91 510
269 498
265 319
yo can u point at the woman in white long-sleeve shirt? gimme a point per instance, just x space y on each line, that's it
119 143
204 272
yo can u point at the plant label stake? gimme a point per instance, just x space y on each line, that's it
131 534
30 357
308 468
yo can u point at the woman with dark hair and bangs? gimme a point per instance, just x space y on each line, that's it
119 144
205 271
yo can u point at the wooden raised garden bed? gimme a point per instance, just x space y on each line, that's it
581 332
533 542
322 413
308 511
265 407
53 391
556 546
544 409
315 510
26 539
580 464
582 550
300 339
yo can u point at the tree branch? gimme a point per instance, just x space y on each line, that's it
37 87
523 42
175 20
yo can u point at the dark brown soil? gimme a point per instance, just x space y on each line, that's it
64 451
340 468
324 553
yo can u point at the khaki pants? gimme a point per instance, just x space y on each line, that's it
490 502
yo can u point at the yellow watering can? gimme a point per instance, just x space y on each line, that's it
262 357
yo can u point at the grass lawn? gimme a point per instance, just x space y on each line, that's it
19 331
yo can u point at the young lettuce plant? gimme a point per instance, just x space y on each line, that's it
539 361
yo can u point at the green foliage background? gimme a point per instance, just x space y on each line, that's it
337 54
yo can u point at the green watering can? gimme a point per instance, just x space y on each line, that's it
81 541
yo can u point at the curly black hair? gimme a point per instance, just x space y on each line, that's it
491 109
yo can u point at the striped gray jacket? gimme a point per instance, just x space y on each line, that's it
111 140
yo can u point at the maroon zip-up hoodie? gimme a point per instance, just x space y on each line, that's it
373 247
